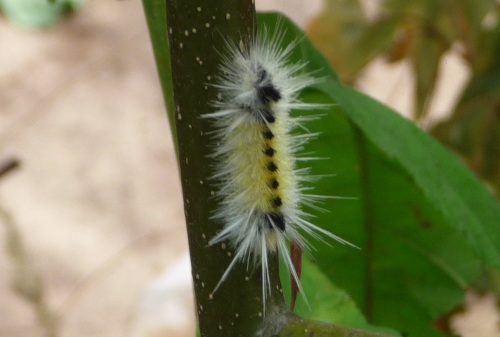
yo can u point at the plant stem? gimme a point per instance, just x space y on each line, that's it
197 33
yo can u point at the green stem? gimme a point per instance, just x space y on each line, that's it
197 34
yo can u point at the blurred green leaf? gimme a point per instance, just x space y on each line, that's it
424 35
336 32
474 129
425 58
418 30
470 19
38 13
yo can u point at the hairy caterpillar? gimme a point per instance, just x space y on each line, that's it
260 188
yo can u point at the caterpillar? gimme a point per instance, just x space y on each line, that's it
260 189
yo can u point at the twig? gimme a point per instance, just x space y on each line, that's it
27 281
8 165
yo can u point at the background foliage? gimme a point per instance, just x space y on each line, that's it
422 32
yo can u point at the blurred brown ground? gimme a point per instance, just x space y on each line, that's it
97 200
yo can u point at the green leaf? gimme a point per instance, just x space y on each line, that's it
326 302
156 17
424 224
426 218
454 192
